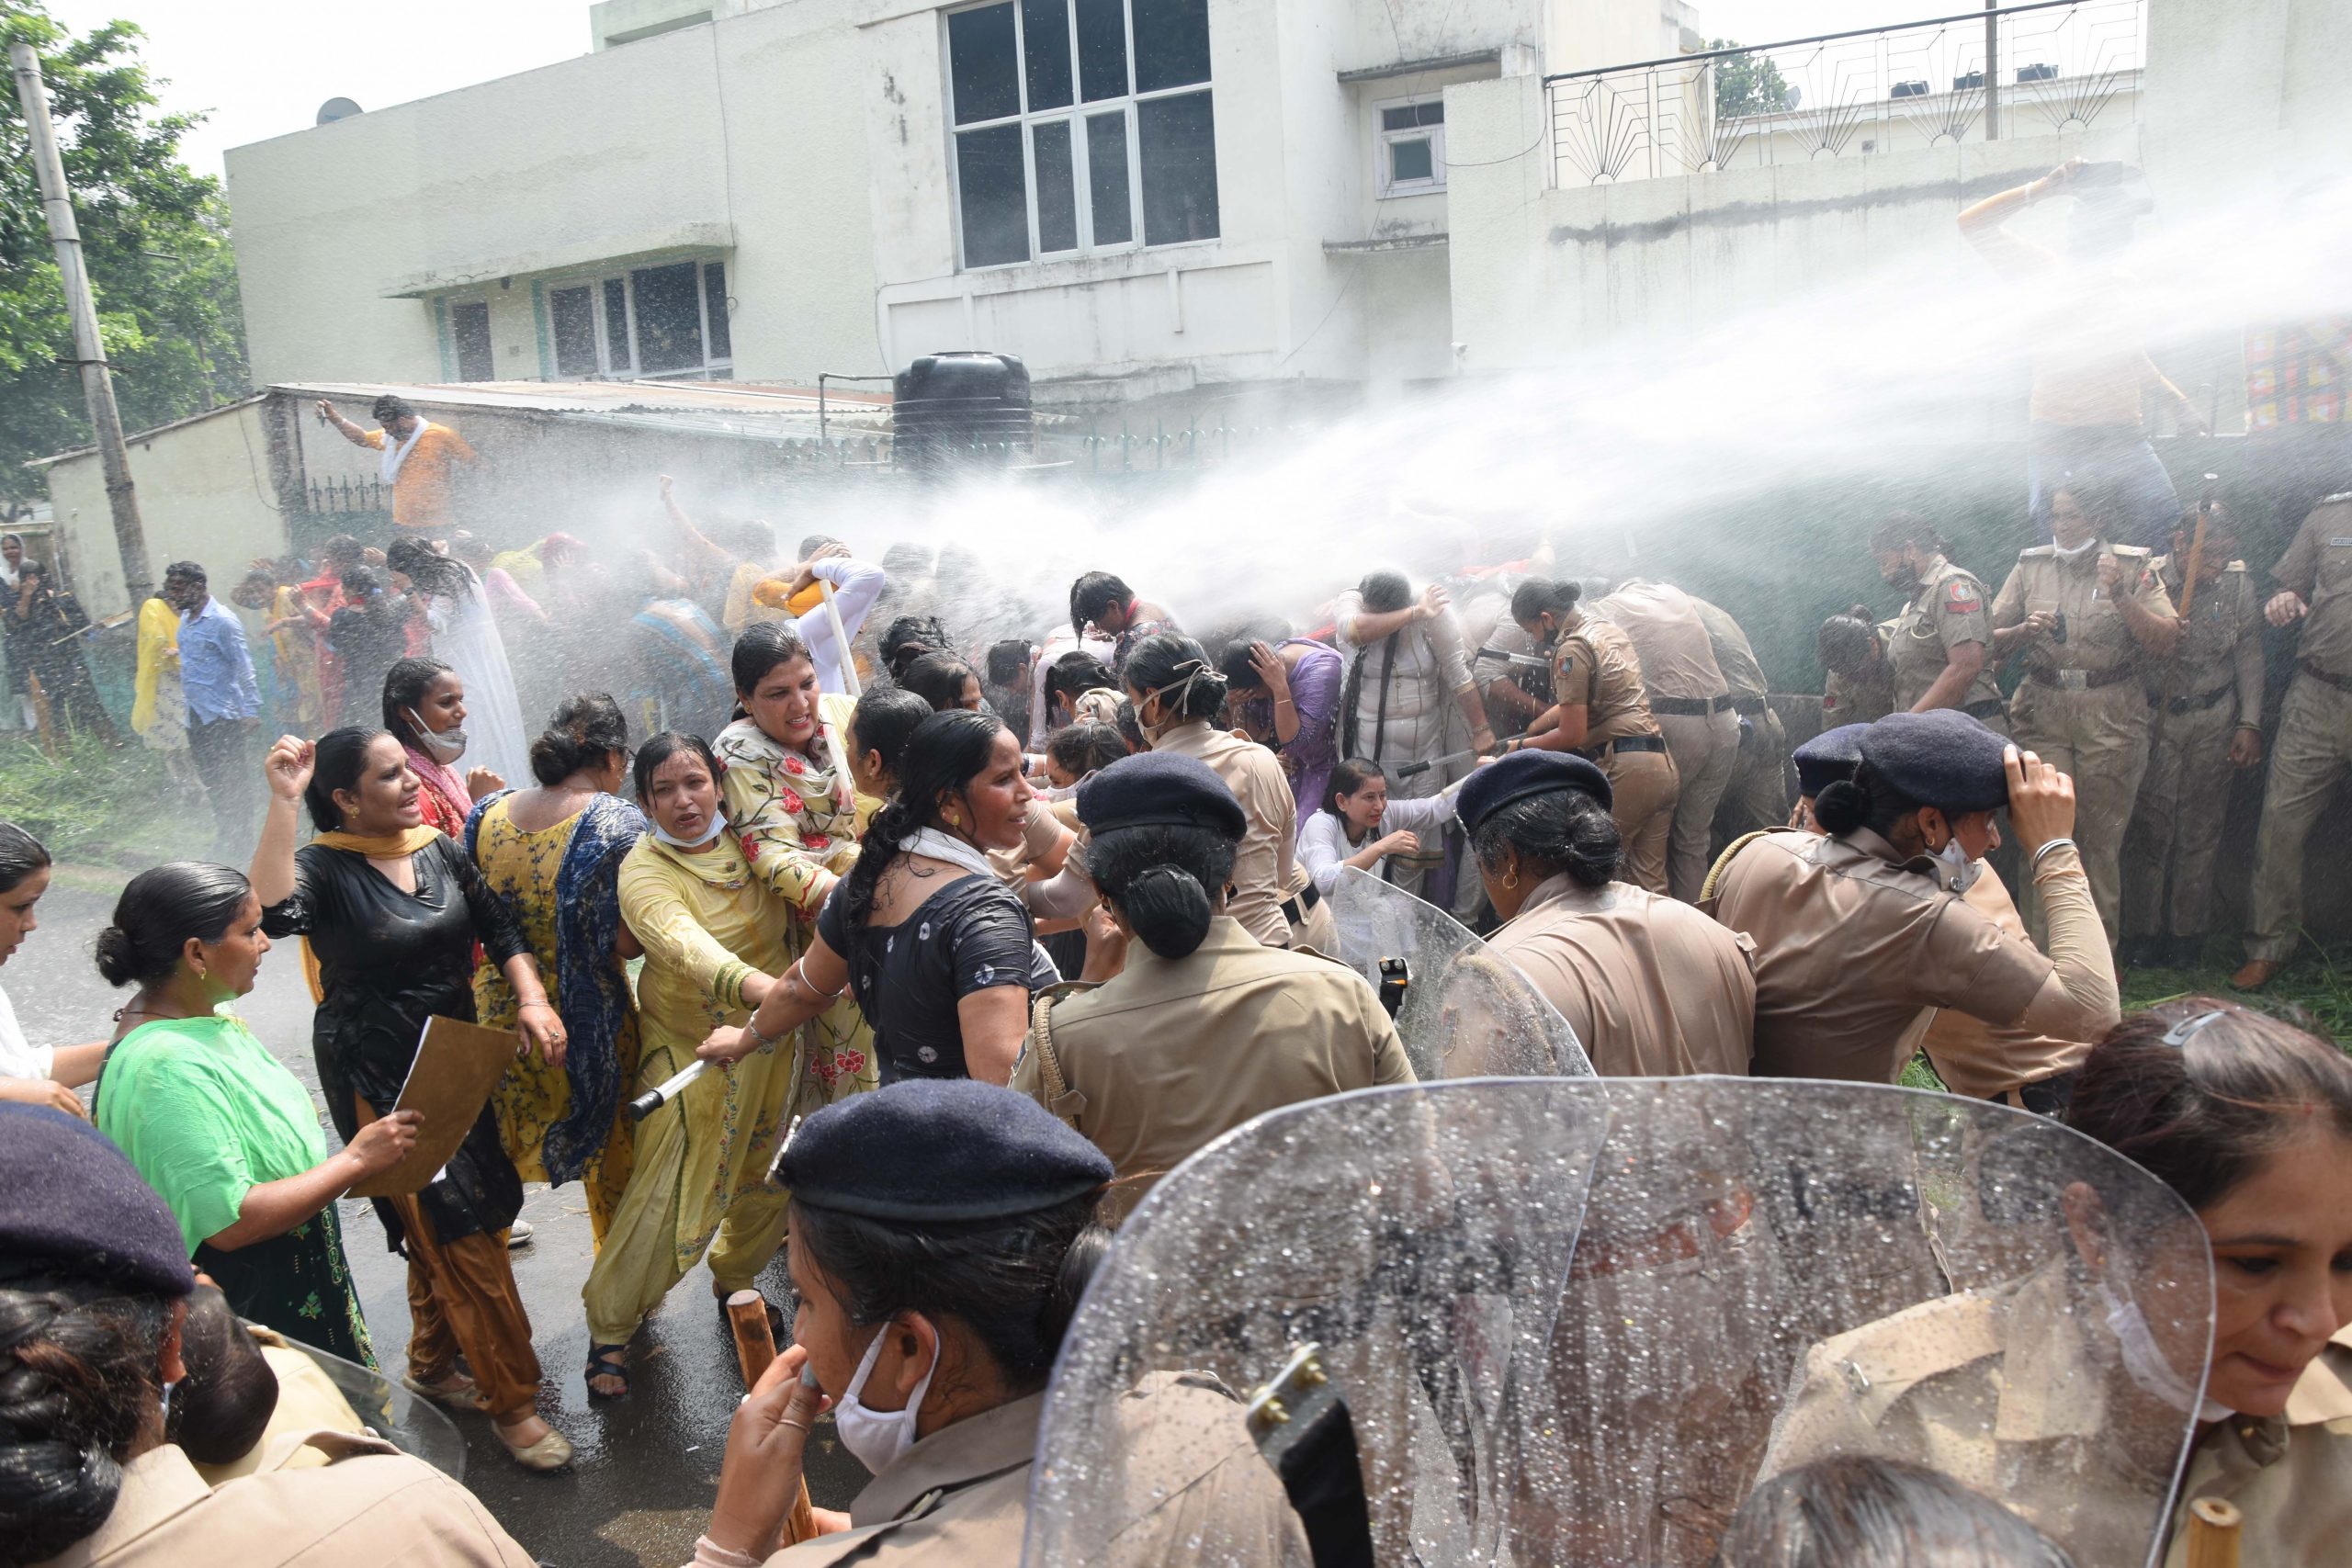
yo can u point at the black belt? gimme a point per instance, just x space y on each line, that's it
1986 708
2341 683
1750 707
1297 909
1628 743
1689 707
2201 703
2092 678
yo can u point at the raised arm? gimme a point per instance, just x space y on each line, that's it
288 768
351 433
1983 225
691 535
2078 1000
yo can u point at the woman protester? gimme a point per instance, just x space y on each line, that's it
33 1074
392 910
933 1297
884 721
1858 933
1289 695
465 635
1075 687
552 854
945 682
224 1133
1204 1027
713 932
1651 986
424 708
936 951
89 1344
1360 825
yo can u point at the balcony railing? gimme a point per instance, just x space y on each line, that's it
2053 64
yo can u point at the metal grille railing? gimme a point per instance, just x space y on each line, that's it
2053 64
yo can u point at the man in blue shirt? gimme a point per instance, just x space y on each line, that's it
223 702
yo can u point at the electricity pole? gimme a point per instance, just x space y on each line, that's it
89 353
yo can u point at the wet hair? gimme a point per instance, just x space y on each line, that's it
21 855
762 646
1085 746
1093 593
79 1382
2203 1091
1177 669
938 679
261 580
582 731
221 1409
405 684
1162 878
1385 592
944 755
335 765
1240 674
1846 642
908 638
884 719
432 571
161 907
1866 800
1076 673
1006 660
1347 778
388 408
1013 1282
1538 594
813 543
185 571
1854 1511
2091 498
658 750
1903 529
361 582
1131 727
340 551
1564 830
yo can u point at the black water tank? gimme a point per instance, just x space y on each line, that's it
960 408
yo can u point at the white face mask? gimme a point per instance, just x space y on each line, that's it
1958 872
877 1438
717 826
444 747
2077 552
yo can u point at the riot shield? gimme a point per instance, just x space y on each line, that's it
1765 1273
393 1412
1465 1012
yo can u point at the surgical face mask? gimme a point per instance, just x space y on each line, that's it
1958 872
717 826
879 1437
444 747
2078 552
2145 1361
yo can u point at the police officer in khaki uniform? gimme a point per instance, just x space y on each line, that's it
1203 1028
1939 646
1601 711
1692 702
2088 616
2209 696
1858 686
2314 743
1757 795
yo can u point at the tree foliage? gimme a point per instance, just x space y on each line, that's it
155 236
1750 83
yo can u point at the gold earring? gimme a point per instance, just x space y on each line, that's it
1510 879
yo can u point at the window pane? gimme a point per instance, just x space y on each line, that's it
1044 42
573 314
469 330
1397 119
617 324
980 64
1178 138
1056 187
1432 113
1409 160
669 318
1171 43
1103 47
994 196
713 294
1107 178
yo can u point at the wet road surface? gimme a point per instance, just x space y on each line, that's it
648 1467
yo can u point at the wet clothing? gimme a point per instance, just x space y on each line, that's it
2313 746
1691 700
1988 1061
2290 1475
1324 845
971 935
1869 695
1402 704
421 479
1757 798
1651 986
1594 667
1950 608
1271 888
462 1300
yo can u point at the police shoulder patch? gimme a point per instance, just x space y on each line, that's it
1962 594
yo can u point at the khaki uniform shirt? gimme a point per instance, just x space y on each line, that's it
371 1505
1869 696
1948 610
1265 869
2290 1475
1980 1059
1594 667
1172 1053
1652 987
2318 566
1735 655
2220 647
1852 945
1678 657
2097 636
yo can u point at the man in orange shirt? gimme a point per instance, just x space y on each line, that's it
420 458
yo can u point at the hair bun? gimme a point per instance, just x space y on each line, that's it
1842 807
118 958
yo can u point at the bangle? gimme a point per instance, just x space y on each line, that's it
751 1031
542 1002
2045 848
1282 700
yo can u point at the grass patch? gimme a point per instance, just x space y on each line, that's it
2318 985
93 804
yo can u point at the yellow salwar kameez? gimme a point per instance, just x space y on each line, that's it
700 1181
296 645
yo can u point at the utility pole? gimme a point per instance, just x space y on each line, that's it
89 353
1992 70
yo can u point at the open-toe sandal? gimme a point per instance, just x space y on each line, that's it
608 1362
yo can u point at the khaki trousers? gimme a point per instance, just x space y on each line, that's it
1757 798
461 1296
1642 787
1704 750
2177 829
2100 738
2306 762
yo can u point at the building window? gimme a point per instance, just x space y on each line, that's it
1409 148
469 337
1080 124
668 320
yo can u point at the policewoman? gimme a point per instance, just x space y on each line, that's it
1938 646
1204 1027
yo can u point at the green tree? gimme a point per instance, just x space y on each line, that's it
157 239
1750 83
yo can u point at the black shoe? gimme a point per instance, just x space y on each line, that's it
2141 953
2188 951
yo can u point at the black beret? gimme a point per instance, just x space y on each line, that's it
1159 789
1941 757
73 1207
1827 758
939 1149
1522 773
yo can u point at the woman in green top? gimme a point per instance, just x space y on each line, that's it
215 1124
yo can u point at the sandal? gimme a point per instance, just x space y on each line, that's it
608 1362
461 1397
551 1452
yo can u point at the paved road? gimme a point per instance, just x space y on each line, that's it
640 1490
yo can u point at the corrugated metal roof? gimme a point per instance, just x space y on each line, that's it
606 396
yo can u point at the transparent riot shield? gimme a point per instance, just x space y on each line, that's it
1766 1272
393 1412
1463 1011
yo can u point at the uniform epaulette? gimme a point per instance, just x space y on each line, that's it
2234 566
2140 552
2037 550
2332 500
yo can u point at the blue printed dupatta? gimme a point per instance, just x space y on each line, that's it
591 991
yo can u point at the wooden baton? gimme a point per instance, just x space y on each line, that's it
2214 1533
747 1315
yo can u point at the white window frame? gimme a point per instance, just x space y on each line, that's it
1075 113
1382 139
449 306
622 367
